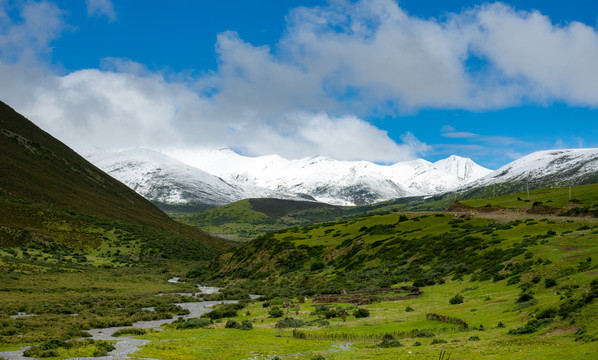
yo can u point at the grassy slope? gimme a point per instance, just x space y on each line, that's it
529 252
245 219
377 248
51 196
558 198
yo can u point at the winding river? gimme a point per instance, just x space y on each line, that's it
126 346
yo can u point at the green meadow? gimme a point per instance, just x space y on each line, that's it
498 286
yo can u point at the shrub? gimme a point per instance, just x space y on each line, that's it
50 348
514 280
547 313
194 323
389 341
417 343
530 327
409 309
549 282
223 311
290 322
524 297
474 338
244 325
457 299
232 324
439 341
128 331
275 312
318 265
318 357
424 333
500 324
361 313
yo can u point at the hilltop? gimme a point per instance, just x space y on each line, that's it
56 204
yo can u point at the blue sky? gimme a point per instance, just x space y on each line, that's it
374 80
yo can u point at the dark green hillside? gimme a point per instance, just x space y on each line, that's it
382 250
54 202
246 219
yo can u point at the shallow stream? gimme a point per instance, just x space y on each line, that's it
126 346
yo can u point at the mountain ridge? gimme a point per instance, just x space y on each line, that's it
315 178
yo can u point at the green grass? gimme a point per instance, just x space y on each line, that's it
486 303
489 260
101 298
587 195
245 219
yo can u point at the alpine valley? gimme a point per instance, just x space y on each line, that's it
415 260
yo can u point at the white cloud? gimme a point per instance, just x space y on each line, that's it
131 110
100 8
308 94
27 39
459 135
550 62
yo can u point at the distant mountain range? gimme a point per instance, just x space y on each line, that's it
223 176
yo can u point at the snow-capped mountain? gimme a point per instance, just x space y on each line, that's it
338 182
162 179
219 176
222 176
549 168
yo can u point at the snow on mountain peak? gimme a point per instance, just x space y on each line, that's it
218 176
463 168
559 164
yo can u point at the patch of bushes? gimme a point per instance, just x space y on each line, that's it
129 331
275 312
439 341
530 327
424 333
457 299
514 280
290 322
547 313
51 348
524 297
389 341
192 323
223 311
361 313
549 282
243 325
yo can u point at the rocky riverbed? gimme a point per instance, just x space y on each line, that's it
126 346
